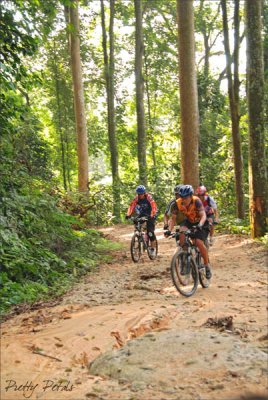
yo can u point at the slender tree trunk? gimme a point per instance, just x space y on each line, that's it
60 121
66 136
79 103
233 92
109 78
207 50
139 52
188 94
67 131
151 129
206 46
67 21
236 55
258 191
60 128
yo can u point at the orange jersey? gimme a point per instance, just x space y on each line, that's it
191 211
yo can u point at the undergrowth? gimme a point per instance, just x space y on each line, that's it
229 224
44 250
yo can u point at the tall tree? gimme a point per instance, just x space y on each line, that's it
233 93
139 52
79 102
188 94
255 94
109 79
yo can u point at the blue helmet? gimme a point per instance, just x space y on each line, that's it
186 190
140 189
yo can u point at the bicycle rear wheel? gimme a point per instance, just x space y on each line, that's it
150 255
184 273
135 248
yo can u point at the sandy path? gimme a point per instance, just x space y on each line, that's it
123 300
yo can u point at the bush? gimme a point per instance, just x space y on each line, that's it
229 224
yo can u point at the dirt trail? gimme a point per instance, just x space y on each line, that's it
45 353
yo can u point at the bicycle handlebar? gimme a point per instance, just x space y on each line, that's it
139 219
188 232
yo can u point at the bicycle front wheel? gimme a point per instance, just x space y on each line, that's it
202 272
184 273
135 248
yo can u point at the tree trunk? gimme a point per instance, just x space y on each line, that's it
151 128
233 93
139 51
62 144
188 94
60 119
67 131
109 79
258 191
79 102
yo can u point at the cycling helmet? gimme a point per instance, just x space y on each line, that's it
140 189
201 190
177 189
186 190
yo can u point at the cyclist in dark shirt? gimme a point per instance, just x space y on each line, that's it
144 205
172 215
210 208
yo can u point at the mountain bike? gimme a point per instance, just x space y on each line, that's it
140 241
187 267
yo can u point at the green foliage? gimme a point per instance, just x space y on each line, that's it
229 224
15 41
22 24
264 240
41 252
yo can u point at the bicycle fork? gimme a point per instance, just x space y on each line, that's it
185 261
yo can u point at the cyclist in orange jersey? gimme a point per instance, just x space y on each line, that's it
193 209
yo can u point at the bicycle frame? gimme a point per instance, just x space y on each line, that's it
139 229
189 242
140 242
